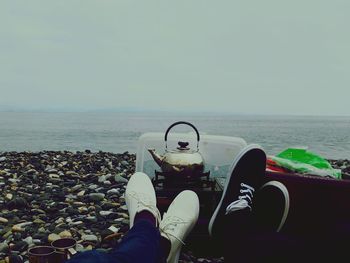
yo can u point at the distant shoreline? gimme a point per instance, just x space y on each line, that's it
342 164
170 112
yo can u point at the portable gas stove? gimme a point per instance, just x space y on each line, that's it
209 191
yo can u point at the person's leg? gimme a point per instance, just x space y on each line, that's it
245 176
271 207
142 242
255 235
177 223
267 241
231 222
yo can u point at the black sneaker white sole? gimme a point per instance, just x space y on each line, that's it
249 168
271 206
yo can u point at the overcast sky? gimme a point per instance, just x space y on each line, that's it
251 57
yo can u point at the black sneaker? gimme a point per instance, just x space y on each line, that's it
245 176
271 206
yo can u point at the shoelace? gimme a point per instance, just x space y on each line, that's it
143 200
244 200
169 224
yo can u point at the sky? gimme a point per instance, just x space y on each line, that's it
243 57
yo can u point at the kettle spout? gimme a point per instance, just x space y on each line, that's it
157 158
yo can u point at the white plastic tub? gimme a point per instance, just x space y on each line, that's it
218 151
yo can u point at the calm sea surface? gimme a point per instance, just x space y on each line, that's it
119 132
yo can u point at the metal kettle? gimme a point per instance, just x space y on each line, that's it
181 161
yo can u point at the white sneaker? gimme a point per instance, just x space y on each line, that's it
178 222
139 196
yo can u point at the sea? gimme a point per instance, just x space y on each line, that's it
118 132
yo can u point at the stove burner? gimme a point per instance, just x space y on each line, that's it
168 182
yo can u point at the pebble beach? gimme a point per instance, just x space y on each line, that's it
50 195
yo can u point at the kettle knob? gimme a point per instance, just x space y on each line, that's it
183 145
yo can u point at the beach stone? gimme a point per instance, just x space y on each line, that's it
28 240
76 223
79 248
53 237
102 178
90 238
120 179
20 246
124 207
105 213
81 193
17 203
124 215
113 229
113 191
64 194
3 220
96 196
39 221
4 247
109 205
65 234
17 228
83 210
76 187
9 196
92 219
93 186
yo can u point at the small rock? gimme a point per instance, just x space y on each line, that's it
39 221
17 228
114 229
4 247
76 187
65 234
17 203
52 237
102 178
105 213
113 191
20 246
92 219
90 238
124 207
9 196
81 193
83 210
120 179
76 223
93 186
28 240
3 220
96 196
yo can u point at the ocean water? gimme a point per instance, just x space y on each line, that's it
119 132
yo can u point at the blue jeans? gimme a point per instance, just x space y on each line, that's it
140 245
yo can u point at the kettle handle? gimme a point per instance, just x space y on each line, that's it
177 123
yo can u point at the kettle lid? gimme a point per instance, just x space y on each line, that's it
183 146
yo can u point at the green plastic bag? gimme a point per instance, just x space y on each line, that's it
303 161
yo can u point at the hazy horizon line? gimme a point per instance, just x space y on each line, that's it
145 111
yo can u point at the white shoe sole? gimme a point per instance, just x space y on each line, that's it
285 192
